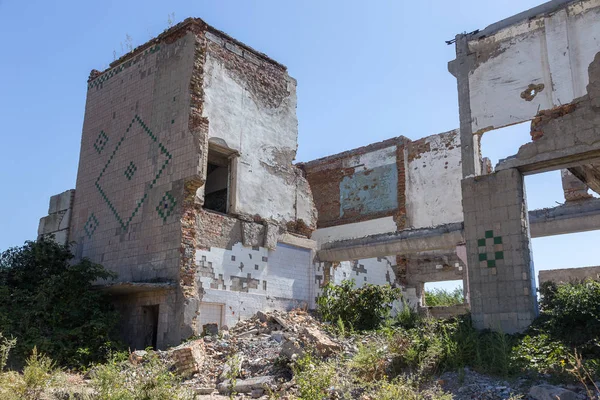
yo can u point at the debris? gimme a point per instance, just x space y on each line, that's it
137 356
246 385
324 345
549 392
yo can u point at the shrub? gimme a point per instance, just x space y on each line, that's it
313 377
571 311
540 353
358 308
443 297
50 304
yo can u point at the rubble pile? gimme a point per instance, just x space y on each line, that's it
254 356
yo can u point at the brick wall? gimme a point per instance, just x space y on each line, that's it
360 184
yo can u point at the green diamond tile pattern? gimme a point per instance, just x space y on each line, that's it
491 241
130 170
122 214
98 82
166 206
100 142
91 225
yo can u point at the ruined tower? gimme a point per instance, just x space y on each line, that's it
186 187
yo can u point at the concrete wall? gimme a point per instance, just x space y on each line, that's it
433 175
58 220
564 136
569 274
398 182
250 106
537 63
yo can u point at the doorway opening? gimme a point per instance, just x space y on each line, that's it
150 325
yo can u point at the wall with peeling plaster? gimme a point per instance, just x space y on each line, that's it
433 194
259 121
359 185
548 54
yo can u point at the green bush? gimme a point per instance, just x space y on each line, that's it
358 308
571 311
443 297
49 303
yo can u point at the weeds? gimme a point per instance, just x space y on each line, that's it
370 362
313 377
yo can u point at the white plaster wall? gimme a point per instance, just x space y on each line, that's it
433 190
259 133
555 50
287 272
354 230
373 159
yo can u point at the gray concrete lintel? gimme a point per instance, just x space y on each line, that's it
572 217
408 241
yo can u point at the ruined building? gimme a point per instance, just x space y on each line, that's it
187 188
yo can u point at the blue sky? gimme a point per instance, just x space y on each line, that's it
366 71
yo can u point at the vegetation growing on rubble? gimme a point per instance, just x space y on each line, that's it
359 309
48 303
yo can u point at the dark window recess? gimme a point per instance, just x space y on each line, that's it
216 189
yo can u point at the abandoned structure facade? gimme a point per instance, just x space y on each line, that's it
187 189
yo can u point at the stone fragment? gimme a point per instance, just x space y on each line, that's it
277 336
262 317
257 393
251 234
245 385
251 332
324 345
232 364
291 350
549 392
281 322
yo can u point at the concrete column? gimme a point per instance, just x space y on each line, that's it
501 278
469 143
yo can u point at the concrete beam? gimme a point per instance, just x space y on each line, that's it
573 217
407 241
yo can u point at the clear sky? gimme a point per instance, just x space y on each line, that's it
366 71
